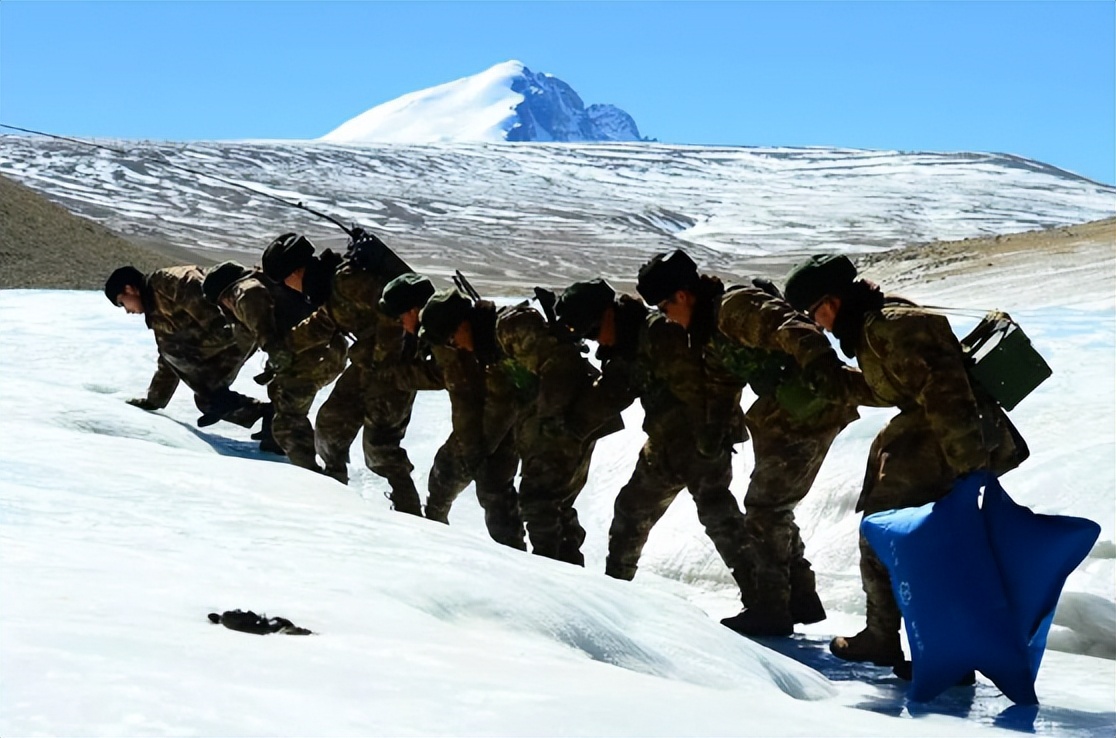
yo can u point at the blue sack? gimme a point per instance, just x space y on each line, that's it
977 583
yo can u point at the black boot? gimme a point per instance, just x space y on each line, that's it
760 621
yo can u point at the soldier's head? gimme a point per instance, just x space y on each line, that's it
220 277
670 282
445 319
285 259
583 307
818 285
124 288
404 297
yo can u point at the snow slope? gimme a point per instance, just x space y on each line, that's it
120 530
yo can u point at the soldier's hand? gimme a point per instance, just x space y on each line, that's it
142 403
825 375
279 361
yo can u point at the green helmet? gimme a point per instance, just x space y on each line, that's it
581 306
405 292
821 275
443 314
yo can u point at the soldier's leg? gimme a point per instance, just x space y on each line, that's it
291 426
915 476
551 481
338 422
573 535
639 505
223 403
708 480
450 474
387 414
497 495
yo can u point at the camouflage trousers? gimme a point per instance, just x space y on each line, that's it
663 469
554 473
788 454
906 468
209 380
358 401
456 464
292 392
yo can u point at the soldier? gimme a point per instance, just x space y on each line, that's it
805 396
530 395
361 397
269 311
945 428
196 346
789 447
463 458
692 414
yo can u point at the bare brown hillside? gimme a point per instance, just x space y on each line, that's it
44 246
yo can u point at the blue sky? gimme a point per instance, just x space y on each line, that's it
1035 79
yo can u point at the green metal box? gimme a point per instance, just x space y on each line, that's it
1002 360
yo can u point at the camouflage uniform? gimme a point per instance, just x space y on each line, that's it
805 397
692 417
366 395
945 428
545 377
197 346
465 457
300 365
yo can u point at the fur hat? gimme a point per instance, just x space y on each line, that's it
121 278
821 275
285 255
443 314
664 275
221 277
581 306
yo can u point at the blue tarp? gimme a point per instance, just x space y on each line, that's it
977 578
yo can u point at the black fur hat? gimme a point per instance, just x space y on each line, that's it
821 275
664 275
221 277
286 254
121 278
582 304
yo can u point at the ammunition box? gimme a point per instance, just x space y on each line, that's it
1002 360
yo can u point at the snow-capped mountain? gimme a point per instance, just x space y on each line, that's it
507 102
506 214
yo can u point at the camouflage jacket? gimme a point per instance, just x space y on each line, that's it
780 353
541 378
689 396
195 341
352 308
912 360
270 312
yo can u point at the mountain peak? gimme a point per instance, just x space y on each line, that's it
506 102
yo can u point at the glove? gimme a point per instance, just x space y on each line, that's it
265 376
142 403
279 361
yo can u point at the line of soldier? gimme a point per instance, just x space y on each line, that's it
524 396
